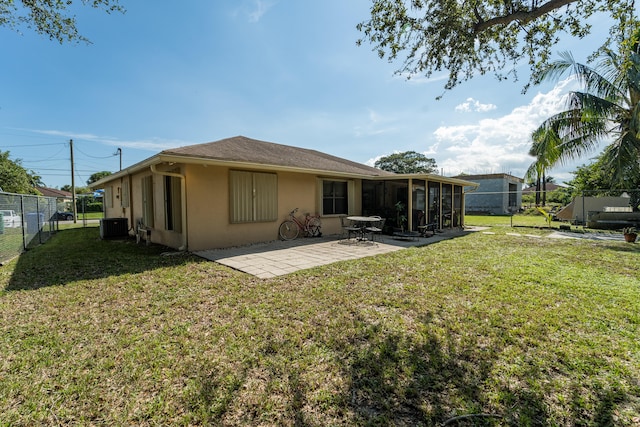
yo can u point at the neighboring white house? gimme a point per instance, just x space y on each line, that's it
497 194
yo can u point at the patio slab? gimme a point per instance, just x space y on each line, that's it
277 258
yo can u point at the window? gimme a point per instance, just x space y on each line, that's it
147 201
335 198
253 196
513 195
173 203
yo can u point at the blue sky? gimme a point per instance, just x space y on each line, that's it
285 71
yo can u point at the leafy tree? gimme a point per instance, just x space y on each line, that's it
480 36
561 195
97 176
593 178
407 162
607 108
50 18
14 178
79 190
597 179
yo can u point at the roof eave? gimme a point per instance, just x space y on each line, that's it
430 177
168 158
126 171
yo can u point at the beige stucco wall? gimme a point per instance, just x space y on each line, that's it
113 207
208 208
208 224
133 212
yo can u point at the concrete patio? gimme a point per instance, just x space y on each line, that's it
277 258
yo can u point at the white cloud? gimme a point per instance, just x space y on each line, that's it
259 9
152 144
496 145
473 105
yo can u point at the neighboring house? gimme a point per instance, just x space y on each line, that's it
551 186
64 198
236 191
497 194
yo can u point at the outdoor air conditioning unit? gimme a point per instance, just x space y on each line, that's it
114 227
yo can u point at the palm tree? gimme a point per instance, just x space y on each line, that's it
608 109
544 148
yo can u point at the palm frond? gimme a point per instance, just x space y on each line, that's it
606 109
622 158
600 83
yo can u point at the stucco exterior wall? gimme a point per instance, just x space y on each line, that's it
201 217
209 213
206 192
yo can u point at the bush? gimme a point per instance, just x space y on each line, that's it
89 207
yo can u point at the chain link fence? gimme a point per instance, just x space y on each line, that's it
25 221
611 209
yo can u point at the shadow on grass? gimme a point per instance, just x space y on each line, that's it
395 381
627 247
449 382
424 375
79 254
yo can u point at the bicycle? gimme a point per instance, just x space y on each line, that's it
290 228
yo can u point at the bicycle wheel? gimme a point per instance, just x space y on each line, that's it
288 230
314 227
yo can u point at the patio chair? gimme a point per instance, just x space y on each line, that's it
425 229
376 228
348 228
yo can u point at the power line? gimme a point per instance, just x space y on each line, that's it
45 160
33 145
67 170
94 157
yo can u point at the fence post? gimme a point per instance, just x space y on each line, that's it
22 225
584 218
38 219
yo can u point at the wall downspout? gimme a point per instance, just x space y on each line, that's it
183 203
133 222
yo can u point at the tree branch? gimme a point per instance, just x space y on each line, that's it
521 16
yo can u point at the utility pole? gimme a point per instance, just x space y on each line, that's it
73 186
119 151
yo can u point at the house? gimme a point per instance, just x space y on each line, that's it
550 186
497 194
236 191
64 198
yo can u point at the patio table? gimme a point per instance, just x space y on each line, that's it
362 222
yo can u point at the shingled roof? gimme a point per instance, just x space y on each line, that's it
247 150
54 192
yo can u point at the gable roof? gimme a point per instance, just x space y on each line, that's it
54 192
550 187
246 150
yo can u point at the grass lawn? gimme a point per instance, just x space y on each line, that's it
514 330
507 220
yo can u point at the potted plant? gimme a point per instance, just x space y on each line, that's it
401 218
630 234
